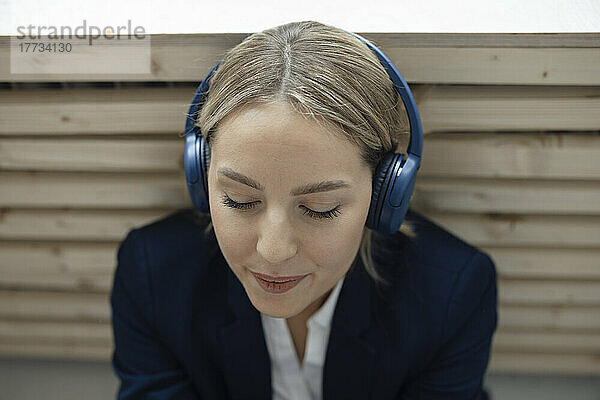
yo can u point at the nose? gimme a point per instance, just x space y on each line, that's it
276 239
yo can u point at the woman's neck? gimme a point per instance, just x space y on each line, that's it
297 324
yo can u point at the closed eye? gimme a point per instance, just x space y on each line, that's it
318 215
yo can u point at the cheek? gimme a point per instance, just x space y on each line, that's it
336 246
236 241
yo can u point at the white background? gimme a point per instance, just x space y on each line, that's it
202 16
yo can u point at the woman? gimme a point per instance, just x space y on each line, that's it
280 291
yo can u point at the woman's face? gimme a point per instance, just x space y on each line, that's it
287 198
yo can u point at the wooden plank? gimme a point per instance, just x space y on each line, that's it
78 225
98 190
526 40
475 155
98 155
458 108
514 341
136 110
587 364
507 195
54 339
522 230
549 317
49 305
499 66
565 58
56 281
570 293
70 351
57 266
545 263
94 258
162 110
511 155
65 332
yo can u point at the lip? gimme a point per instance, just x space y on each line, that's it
282 285
277 278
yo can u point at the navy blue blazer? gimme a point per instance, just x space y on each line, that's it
184 327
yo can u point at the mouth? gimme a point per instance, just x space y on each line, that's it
277 279
278 286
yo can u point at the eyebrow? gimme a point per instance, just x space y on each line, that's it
309 188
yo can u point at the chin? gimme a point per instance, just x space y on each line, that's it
273 307
276 314
273 310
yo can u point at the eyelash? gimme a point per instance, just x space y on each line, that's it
318 215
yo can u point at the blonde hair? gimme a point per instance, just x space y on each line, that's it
323 73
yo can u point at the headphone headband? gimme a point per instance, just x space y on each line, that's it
394 178
415 146
197 100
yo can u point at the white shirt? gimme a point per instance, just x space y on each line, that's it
291 379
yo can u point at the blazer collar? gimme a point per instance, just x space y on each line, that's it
349 358
245 355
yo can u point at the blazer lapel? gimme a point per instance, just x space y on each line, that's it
246 358
349 361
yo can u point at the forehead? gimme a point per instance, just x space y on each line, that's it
274 137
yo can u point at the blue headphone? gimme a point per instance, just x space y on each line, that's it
394 179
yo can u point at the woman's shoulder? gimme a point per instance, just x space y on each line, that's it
439 281
432 246
178 239
442 308
438 246
176 220
436 265
167 268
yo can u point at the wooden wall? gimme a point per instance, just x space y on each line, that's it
511 163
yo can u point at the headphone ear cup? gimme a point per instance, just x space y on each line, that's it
204 158
194 161
381 181
402 190
398 194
